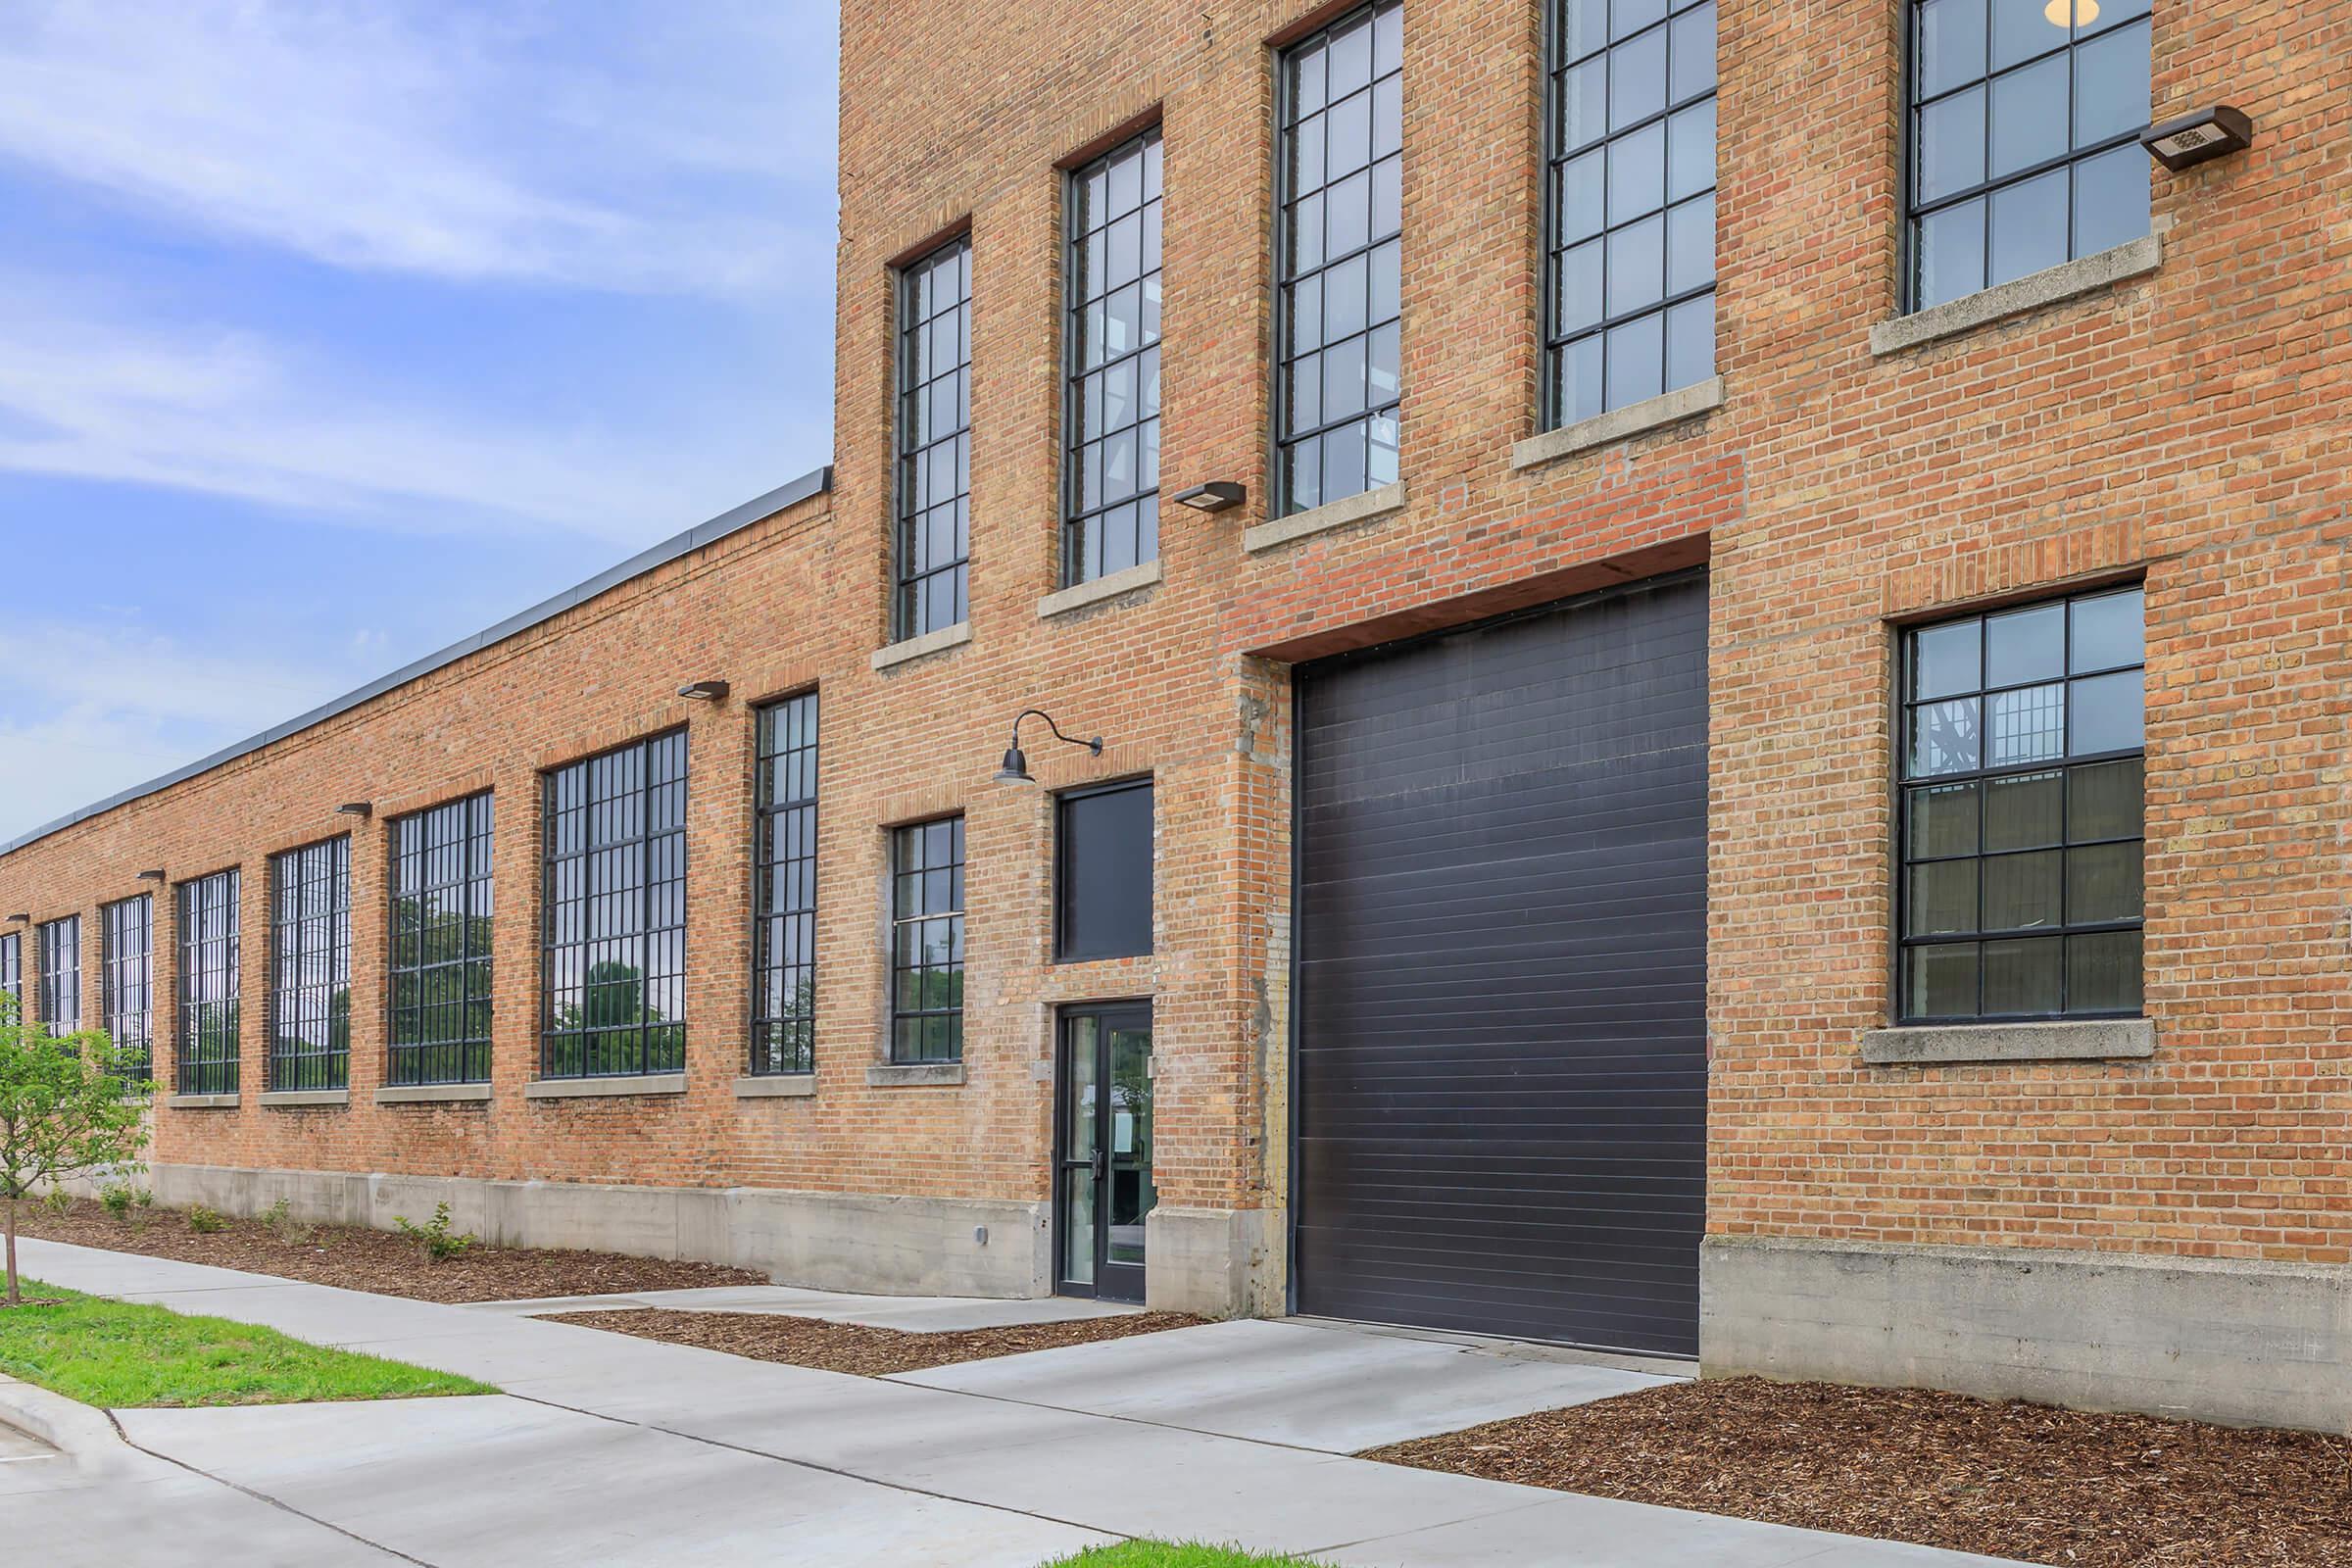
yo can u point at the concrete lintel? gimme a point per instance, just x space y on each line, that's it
202 1102
2067 281
432 1094
303 1099
780 1086
908 1074
1323 518
1111 585
2069 1040
923 647
1621 424
659 1082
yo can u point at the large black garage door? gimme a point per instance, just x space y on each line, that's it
1501 1055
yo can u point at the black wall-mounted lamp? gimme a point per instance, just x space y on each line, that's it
1016 762
1215 496
356 808
151 876
2196 138
19 919
706 691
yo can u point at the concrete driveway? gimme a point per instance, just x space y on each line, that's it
605 1449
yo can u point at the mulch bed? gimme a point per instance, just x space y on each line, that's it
371 1260
855 1348
2007 1480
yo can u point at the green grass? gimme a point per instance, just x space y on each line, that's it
1164 1554
119 1355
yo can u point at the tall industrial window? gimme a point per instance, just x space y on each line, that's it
2022 819
935 439
12 969
615 913
126 982
1111 474
1103 873
60 945
1633 202
442 907
928 942
784 890
310 956
2026 118
1341 151
205 1045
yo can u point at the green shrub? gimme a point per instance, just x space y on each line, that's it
205 1221
117 1199
435 1239
59 1201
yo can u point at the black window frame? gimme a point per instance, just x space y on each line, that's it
1133 514
2066 764
1066 948
440 1004
2114 18
910 929
657 1048
786 785
57 995
310 968
1289 279
913 504
12 969
1559 339
208 1030
126 983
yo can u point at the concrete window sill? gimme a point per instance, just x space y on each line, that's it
2067 281
2074 1040
303 1099
432 1094
201 1102
1145 574
1621 424
914 1074
1331 514
923 647
660 1083
780 1086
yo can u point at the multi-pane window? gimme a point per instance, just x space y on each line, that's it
1633 202
310 956
441 925
784 890
12 969
60 945
126 982
1103 873
2026 118
926 997
205 1045
1341 149
2021 812
615 913
935 439
1110 512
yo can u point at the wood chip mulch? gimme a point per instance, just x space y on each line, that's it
2006 1479
856 1348
360 1259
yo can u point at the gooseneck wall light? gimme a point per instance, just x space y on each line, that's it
1016 762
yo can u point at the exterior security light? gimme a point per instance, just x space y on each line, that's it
356 808
706 691
1215 496
151 876
2192 139
1016 762
19 919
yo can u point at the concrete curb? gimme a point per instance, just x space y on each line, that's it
82 1432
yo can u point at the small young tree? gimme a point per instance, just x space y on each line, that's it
66 1110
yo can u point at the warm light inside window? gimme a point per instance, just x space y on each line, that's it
2072 13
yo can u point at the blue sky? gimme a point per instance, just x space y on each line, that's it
332 333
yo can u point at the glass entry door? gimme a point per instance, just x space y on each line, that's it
1102 1150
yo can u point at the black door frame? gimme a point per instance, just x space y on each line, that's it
1112 1282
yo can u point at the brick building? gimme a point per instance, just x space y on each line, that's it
1724 626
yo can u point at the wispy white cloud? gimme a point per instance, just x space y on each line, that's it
641 150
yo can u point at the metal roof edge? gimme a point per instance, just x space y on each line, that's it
818 481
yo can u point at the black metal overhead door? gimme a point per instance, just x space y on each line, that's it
1501 915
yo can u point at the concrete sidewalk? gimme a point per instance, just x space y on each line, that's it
614 1451
912 1315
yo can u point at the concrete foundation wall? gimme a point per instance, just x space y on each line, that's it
1218 1262
2244 1342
